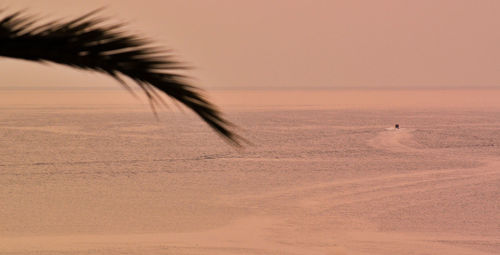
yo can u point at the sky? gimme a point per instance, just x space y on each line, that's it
295 43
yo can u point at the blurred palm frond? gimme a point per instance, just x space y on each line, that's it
87 43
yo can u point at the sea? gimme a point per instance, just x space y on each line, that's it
324 171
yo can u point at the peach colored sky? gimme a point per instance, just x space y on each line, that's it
292 43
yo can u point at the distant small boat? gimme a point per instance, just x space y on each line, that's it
397 126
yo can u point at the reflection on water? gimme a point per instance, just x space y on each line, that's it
327 173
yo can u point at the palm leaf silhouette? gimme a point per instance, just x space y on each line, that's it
86 43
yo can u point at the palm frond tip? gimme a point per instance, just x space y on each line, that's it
86 43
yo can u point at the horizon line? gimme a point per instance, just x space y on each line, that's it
216 88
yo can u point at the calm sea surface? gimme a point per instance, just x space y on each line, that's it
89 173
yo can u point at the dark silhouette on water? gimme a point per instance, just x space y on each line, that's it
397 126
87 44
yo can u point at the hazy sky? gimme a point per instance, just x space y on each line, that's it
298 43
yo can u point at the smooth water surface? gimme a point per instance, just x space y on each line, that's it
320 178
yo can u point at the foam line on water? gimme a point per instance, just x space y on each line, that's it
394 140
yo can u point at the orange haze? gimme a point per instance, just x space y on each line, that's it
297 43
